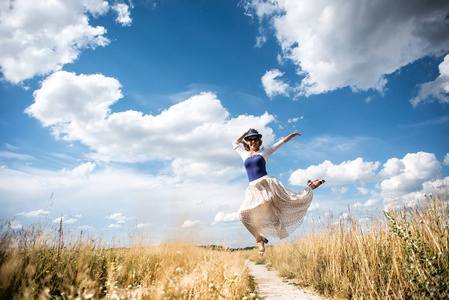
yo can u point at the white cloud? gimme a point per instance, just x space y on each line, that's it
190 224
158 199
143 225
446 160
364 220
82 170
294 120
36 213
65 220
355 171
118 218
225 217
437 89
399 179
115 226
357 205
339 190
77 107
408 174
352 43
39 37
363 191
314 206
402 181
14 224
260 41
11 147
343 216
399 200
86 227
14 155
274 86
68 102
123 14
372 201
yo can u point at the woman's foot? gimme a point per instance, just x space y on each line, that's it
261 241
316 183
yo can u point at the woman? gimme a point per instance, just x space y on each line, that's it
269 208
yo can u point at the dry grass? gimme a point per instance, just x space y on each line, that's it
37 264
401 255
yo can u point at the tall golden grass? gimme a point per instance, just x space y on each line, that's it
402 254
36 263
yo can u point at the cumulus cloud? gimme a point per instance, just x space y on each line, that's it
39 37
400 179
86 227
118 218
437 89
65 220
35 213
143 225
82 170
123 14
339 190
14 224
190 224
225 217
115 226
274 86
353 43
403 181
294 120
363 191
408 174
355 171
446 160
314 206
159 199
399 200
77 107
65 100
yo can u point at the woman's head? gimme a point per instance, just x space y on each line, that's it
252 133
254 143
253 140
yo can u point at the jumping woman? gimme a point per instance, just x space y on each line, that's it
269 208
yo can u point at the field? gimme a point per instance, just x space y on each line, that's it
36 264
401 254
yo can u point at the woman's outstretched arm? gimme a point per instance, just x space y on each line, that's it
290 136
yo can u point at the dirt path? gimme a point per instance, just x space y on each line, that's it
271 286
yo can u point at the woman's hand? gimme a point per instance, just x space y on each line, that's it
242 136
290 136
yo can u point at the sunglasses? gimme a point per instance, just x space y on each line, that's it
253 139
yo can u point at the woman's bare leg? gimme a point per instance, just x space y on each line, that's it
260 240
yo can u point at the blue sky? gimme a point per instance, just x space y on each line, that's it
120 115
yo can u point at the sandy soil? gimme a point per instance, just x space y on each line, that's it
271 286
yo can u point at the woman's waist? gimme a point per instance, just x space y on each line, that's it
256 181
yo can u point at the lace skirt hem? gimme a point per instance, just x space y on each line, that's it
273 210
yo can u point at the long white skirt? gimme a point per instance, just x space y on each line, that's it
271 209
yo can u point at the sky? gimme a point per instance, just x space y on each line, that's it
118 116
